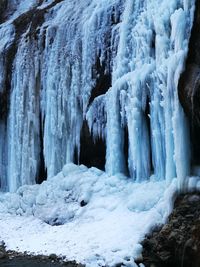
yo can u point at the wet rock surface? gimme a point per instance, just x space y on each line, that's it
14 259
176 244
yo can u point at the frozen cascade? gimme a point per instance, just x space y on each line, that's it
59 55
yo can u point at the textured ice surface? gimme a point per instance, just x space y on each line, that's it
107 230
141 44
86 215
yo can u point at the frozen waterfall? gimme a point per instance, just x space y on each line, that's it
53 55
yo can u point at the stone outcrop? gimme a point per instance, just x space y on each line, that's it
176 244
3 253
189 86
17 259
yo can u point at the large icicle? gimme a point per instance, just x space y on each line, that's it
23 121
156 35
69 59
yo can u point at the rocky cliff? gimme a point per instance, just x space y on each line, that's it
189 86
176 244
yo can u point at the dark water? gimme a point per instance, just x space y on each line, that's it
22 262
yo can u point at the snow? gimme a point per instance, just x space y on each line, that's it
48 218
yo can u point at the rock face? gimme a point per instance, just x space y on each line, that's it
189 86
176 244
3 253
17 259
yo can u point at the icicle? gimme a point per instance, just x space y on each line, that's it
96 117
23 121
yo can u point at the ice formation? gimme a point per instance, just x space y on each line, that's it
142 45
85 215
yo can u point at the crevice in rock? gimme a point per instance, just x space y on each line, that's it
126 145
103 80
5 91
115 16
3 105
148 123
42 171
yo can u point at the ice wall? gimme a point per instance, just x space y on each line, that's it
141 44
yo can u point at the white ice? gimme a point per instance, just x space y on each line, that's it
107 230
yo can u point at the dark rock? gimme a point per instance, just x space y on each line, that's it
2 255
149 243
53 256
165 255
194 198
72 264
13 258
119 264
189 86
3 7
83 203
177 244
92 153
2 244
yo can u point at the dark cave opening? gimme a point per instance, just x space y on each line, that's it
92 153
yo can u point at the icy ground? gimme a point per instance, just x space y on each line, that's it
85 215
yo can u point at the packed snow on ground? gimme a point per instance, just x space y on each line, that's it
85 215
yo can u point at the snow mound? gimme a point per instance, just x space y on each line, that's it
85 215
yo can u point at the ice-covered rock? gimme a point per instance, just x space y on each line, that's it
114 65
